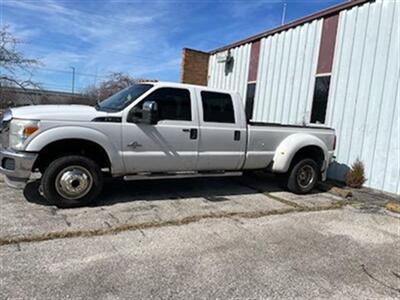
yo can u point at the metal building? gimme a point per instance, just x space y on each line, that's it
339 67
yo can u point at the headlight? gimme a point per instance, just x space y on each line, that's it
20 130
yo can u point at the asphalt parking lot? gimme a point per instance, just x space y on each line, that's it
140 204
239 237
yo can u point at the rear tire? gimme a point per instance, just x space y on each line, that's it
72 181
303 176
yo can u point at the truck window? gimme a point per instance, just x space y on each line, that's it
122 99
173 104
217 107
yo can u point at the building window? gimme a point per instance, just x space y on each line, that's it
217 107
320 100
251 91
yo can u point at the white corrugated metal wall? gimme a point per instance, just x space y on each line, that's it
363 103
364 95
235 80
286 71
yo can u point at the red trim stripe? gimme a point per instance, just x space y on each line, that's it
254 56
327 46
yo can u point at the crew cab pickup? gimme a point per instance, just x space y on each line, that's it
154 130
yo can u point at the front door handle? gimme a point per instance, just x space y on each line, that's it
134 145
193 132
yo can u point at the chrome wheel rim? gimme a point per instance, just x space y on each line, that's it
74 182
305 176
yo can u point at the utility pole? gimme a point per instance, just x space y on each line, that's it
284 12
73 79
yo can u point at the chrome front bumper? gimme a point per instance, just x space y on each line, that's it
17 166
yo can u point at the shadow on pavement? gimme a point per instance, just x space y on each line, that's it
213 189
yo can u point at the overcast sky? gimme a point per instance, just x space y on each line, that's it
142 38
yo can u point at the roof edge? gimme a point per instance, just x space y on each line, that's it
323 13
195 50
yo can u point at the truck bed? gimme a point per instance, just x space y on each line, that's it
263 140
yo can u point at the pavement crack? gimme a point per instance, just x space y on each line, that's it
287 202
378 280
268 194
108 224
65 218
396 274
114 217
239 224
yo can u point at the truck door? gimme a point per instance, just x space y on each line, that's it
169 145
222 132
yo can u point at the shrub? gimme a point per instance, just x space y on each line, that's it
355 178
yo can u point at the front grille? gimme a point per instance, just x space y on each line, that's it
4 136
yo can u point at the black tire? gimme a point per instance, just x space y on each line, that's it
91 177
295 176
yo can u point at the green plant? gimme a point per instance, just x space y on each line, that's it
355 178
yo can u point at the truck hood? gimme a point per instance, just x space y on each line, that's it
57 112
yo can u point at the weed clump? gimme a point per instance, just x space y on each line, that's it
355 178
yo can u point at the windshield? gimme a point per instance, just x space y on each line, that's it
123 98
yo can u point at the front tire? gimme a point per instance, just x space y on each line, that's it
72 181
303 177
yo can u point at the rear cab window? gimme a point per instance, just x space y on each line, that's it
217 107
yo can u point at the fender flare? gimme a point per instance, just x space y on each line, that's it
288 148
55 134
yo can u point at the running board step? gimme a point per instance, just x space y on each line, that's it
148 176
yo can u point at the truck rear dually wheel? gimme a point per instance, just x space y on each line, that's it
303 176
72 181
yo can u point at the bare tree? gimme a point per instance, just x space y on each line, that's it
115 82
16 69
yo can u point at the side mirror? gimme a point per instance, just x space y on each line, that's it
148 114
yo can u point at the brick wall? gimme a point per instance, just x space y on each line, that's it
194 66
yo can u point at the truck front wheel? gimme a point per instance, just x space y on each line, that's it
303 177
72 181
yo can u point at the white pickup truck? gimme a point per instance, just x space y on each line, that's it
154 130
